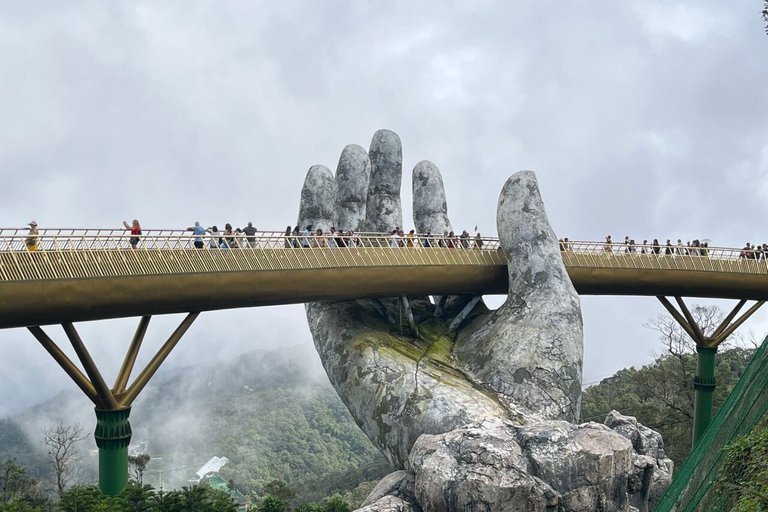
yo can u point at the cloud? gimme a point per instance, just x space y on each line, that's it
643 118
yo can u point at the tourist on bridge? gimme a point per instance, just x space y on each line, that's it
305 241
135 229
656 246
198 231
216 240
318 241
229 241
608 246
394 240
249 231
479 242
644 250
288 242
464 239
428 238
668 249
410 238
32 237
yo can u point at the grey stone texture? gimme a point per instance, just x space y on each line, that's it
530 349
352 177
384 212
318 199
430 207
495 465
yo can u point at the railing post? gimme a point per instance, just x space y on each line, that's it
704 385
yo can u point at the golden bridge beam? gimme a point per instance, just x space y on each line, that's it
133 391
130 357
105 395
700 339
727 320
67 365
677 316
717 339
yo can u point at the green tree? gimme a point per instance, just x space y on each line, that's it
272 504
335 504
80 499
19 491
198 498
765 15
743 480
280 490
138 498
167 501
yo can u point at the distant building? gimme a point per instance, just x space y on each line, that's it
218 483
211 467
208 475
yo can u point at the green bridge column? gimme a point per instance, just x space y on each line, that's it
113 435
704 386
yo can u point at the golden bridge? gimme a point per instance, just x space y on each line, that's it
78 275
85 274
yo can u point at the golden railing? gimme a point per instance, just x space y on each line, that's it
84 253
71 254
707 259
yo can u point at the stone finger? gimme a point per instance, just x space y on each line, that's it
318 197
383 209
430 208
352 177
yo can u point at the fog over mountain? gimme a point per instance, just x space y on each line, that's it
645 118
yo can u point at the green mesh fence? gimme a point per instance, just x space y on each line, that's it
744 407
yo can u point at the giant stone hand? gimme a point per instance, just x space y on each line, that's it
521 362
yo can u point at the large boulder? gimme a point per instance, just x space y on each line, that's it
495 465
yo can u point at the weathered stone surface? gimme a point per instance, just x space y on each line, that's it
652 471
352 177
391 387
476 468
430 206
398 485
383 211
318 199
530 349
496 465
390 504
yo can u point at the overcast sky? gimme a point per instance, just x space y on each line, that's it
643 118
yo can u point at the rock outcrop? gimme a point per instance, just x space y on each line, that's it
496 465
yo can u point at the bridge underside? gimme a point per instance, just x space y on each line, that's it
57 301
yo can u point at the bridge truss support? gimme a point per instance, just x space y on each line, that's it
704 383
113 406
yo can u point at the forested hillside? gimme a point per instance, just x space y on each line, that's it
272 414
660 395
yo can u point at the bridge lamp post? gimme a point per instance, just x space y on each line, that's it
113 406
704 383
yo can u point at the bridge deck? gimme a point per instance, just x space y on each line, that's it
87 275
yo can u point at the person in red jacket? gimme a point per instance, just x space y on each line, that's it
135 232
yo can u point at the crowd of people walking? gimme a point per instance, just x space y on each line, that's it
297 238
246 237
629 246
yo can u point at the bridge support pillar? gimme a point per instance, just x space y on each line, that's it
704 385
113 405
706 348
113 435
